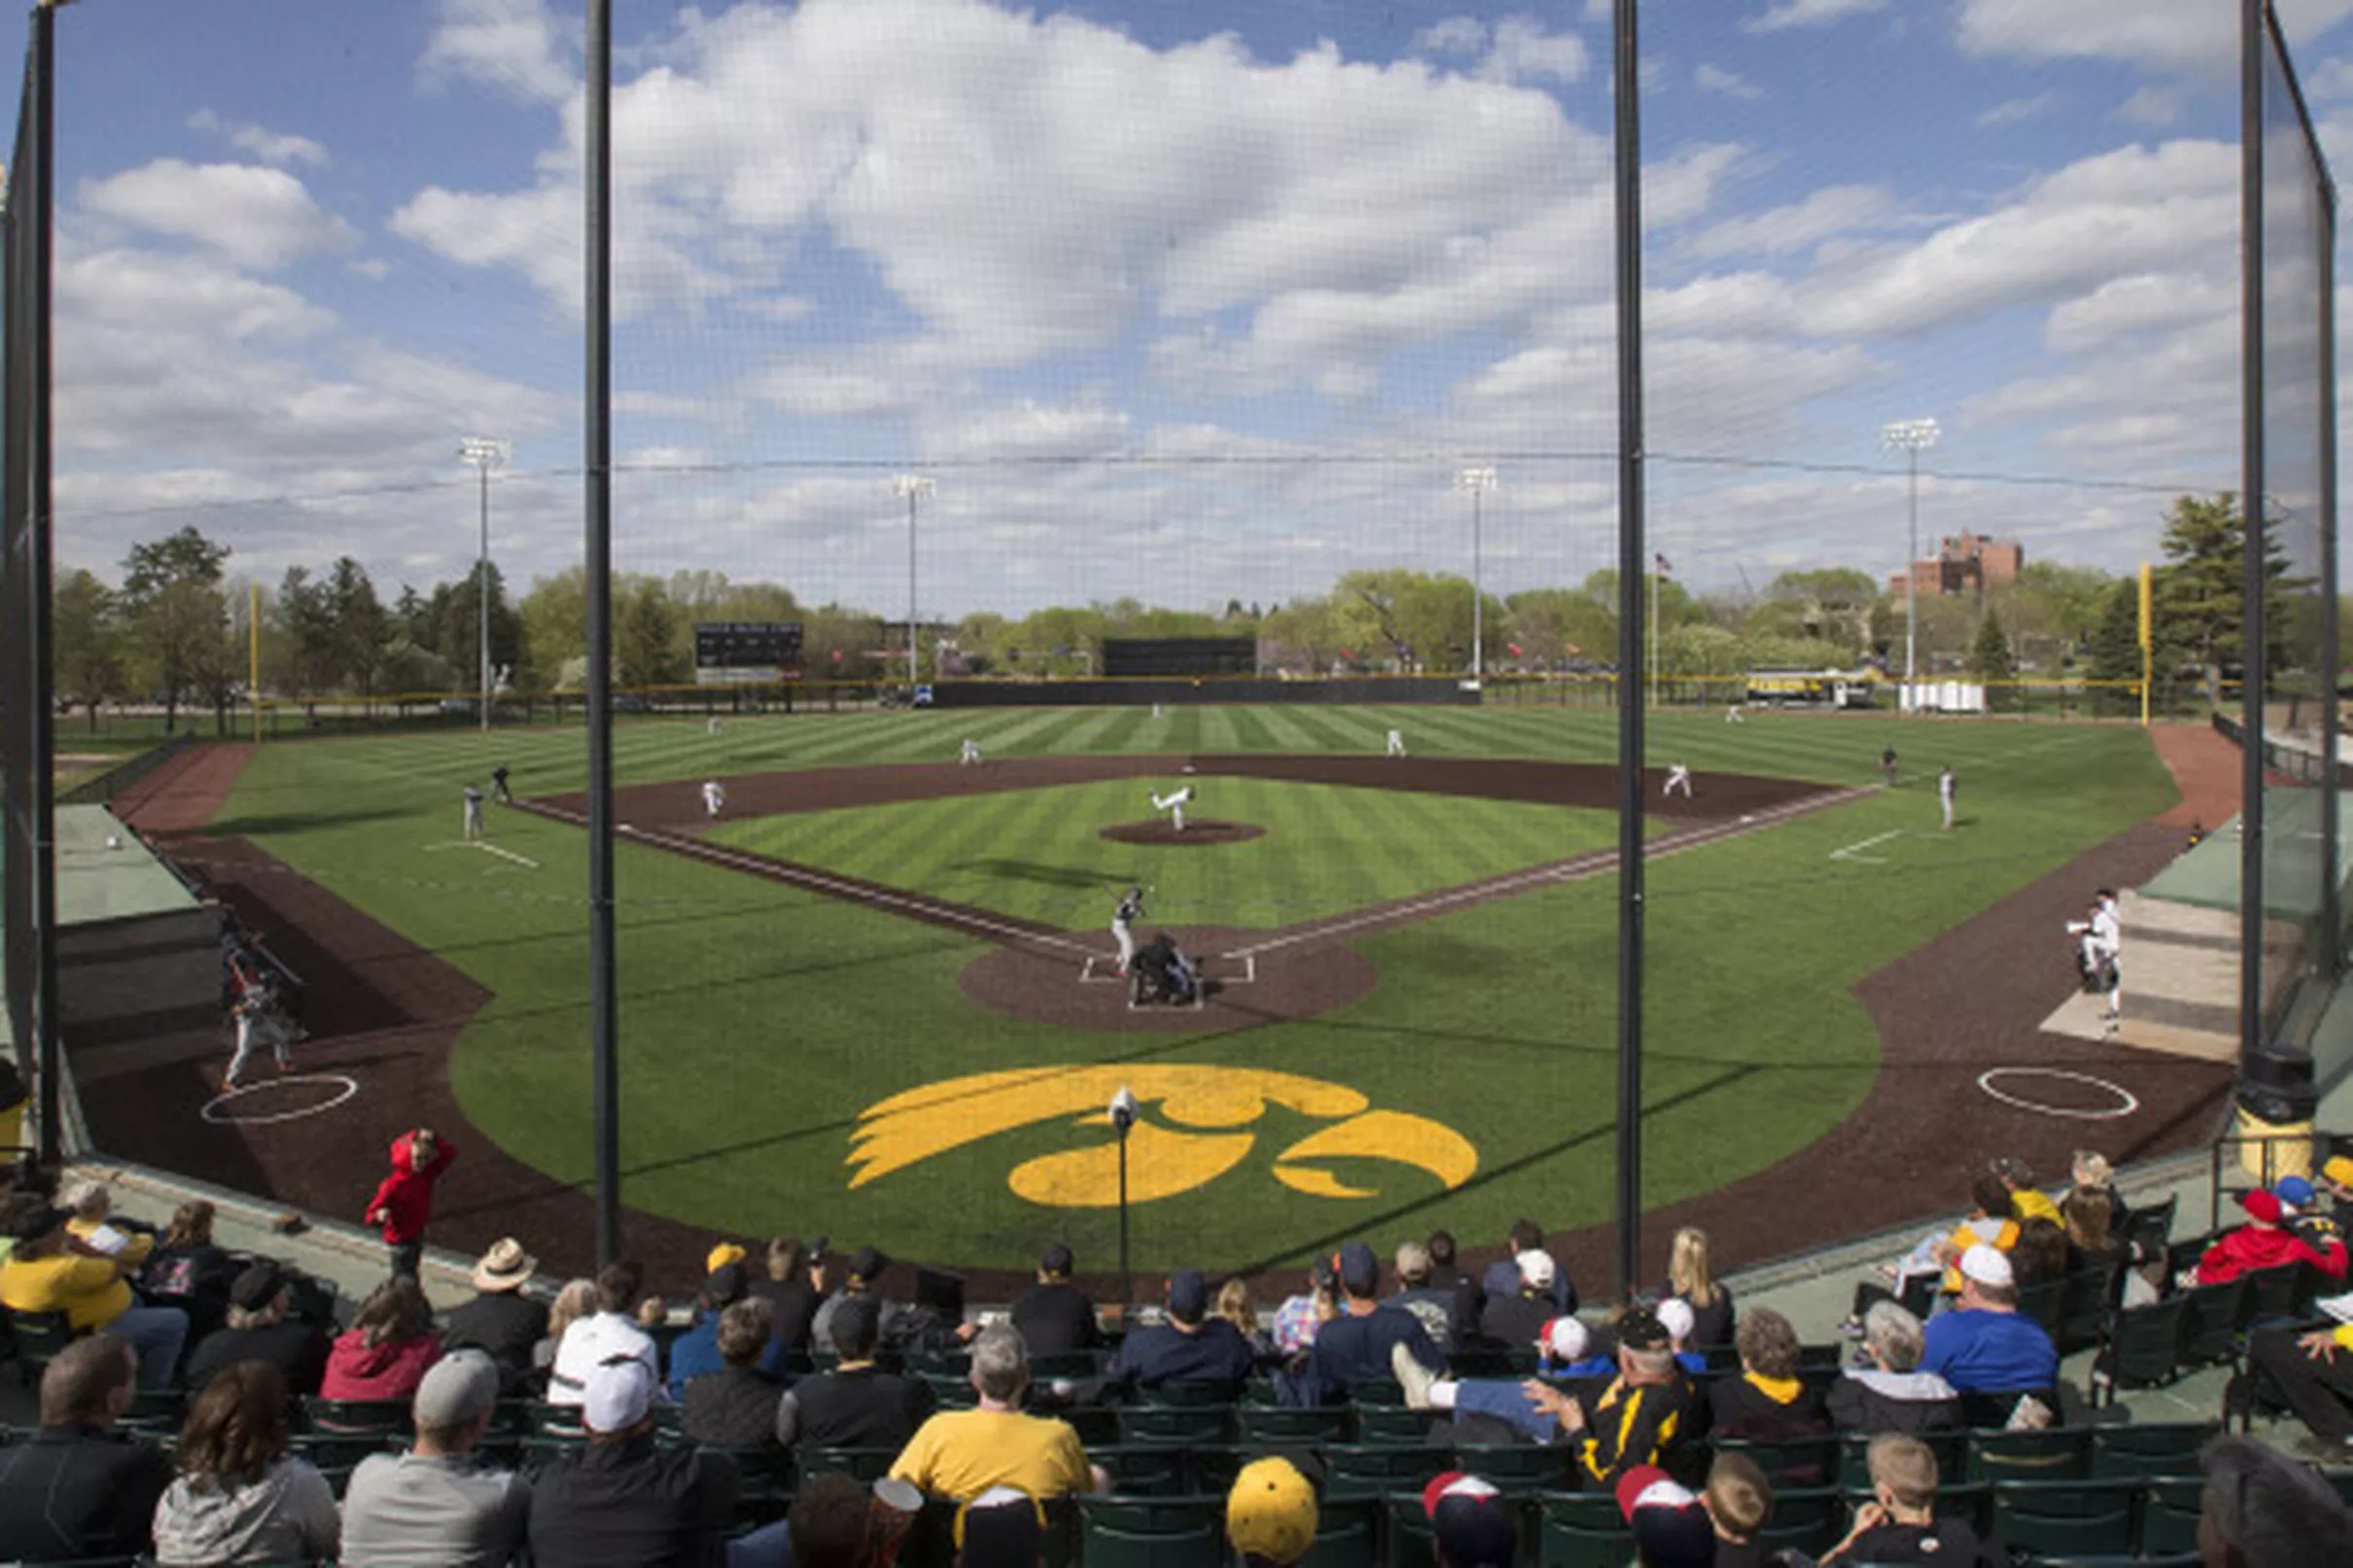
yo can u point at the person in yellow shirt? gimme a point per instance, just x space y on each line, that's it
2027 1201
962 1453
50 1270
2315 1376
92 1223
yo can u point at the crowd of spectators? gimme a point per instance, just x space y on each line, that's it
673 1416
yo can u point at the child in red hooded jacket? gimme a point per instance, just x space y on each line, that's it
403 1203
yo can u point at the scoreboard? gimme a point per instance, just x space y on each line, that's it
747 645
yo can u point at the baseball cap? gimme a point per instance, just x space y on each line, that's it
1188 1295
2339 1169
1535 1269
1677 1317
459 1387
620 1396
1413 1261
1989 1266
726 1284
1471 1520
2262 1206
866 1262
1360 1269
1271 1512
1641 1330
1566 1338
1002 1527
725 1253
855 1321
1057 1260
1672 1528
2294 1191
256 1285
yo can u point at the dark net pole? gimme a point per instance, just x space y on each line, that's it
2251 509
604 1013
1631 569
40 782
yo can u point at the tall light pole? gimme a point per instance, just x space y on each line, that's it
484 452
916 488
1911 437
1477 481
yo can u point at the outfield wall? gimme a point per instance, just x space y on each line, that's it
1130 693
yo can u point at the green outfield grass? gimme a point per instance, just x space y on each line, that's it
758 1022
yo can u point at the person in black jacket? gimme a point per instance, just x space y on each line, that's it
735 1407
260 1328
77 1487
855 1404
1892 1394
790 1294
1054 1315
190 1271
500 1320
622 1501
1767 1403
1193 1346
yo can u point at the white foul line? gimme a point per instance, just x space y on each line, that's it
487 847
1852 850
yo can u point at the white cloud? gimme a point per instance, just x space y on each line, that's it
1455 35
1027 427
1834 209
269 146
515 45
2145 301
2151 106
257 217
2172 37
1714 78
1787 13
2018 111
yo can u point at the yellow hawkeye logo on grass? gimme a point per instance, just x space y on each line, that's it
1200 1132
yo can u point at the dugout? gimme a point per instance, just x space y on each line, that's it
1130 658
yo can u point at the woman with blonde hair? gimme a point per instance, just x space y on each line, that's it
575 1301
1235 1306
1691 1280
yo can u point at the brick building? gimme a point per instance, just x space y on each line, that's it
1965 563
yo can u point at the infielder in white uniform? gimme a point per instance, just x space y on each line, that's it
1678 777
971 755
1123 925
260 1024
1174 806
710 725
474 811
714 797
1945 789
2103 945
1396 743
1733 715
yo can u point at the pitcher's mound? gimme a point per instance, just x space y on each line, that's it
1197 833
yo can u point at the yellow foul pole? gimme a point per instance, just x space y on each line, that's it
2147 644
252 679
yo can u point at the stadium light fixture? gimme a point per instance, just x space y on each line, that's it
1477 481
1911 437
915 487
484 452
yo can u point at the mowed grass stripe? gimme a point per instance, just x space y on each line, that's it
1324 729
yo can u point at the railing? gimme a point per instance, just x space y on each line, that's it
123 775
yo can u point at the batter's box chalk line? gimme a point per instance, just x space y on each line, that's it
2128 1101
218 1109
1226 970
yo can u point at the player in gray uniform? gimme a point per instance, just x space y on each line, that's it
474 811
1945 790
1123 925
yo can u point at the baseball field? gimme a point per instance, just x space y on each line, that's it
876 996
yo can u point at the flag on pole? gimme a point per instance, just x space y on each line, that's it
1666 567
1515 647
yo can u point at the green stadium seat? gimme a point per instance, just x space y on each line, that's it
1147 1472
2084 1304
1808 1519
2140 1347
2277 1294
860 1464
1188 1394
1581 1530
2168 1515
1792 1462
1151 1532
1346 1530
2211 1317
1518 1469
2045 1303
34 1338
1175 1426
153 1413
763 1483
560 1422
2153 1449
2146 1231
1407 1542
1394 1423
1491 1361
2056 1453
1971 1501
2065 1518
1315 1425
1375 1470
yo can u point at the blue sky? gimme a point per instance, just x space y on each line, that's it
1180 300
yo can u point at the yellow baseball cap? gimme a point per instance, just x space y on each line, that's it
725 1253
1271 1512
2339 1170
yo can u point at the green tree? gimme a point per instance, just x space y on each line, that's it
644 634
554 616
306 616
2201 599
2116 648
85 642
175 614
1991 661
363 630
1830 603
2050 610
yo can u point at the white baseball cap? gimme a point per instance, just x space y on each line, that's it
1989 1266
1676 1313
619 1395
